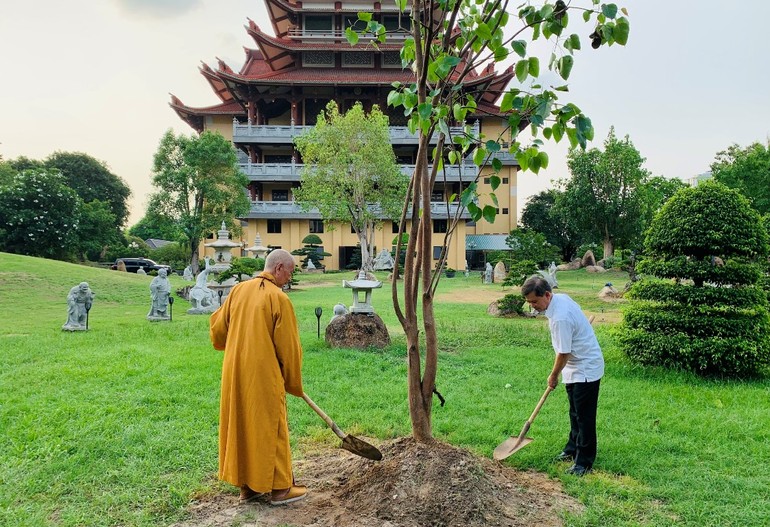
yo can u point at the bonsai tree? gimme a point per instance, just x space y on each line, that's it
699 307
311 251
241 267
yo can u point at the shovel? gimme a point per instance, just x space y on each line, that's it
350 443
514 443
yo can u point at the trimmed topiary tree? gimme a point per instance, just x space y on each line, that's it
311 251
699 306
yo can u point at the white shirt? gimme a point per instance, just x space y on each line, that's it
572 333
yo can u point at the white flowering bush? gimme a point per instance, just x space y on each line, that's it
39 215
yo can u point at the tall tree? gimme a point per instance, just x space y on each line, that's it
350 173
748 171
656 191
93 180
198 184
541 214
39 215
96 232
602 198
153 226
449 42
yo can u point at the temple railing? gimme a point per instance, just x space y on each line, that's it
289 210
283 172
282 134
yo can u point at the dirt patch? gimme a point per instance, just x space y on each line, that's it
415 485
474 296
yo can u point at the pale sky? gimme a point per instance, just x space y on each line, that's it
94 77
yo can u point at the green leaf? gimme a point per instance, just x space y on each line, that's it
425 109
453 157
483 31
520 47
547 132
493 146
523 159
401 5
586 15
501 53
351 36
506 103
366 17
543 159
497 165
474 211
621 31
478 156
609 10
522 69
564 66
395 98
534 66
492 195
467 195
494 181
574 41
489 213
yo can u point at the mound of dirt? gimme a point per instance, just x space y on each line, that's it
415 485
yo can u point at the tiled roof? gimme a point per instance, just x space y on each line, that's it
486 242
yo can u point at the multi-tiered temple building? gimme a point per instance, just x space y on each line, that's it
284 84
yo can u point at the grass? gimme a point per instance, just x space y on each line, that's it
117 426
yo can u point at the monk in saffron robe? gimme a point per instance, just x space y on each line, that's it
257 329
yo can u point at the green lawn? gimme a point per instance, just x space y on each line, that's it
117 426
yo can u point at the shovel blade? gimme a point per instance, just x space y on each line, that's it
361 448
509 446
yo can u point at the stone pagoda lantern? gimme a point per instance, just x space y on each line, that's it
362 286
258 249
222 247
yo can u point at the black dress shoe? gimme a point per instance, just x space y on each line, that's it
564 456
578 470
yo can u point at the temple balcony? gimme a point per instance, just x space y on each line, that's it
290 210
338 35
290 172
284 135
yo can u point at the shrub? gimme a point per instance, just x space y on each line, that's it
311 251
701 310
519 272
177 255
241 266
511 304
527 244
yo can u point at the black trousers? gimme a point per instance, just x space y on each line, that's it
583 399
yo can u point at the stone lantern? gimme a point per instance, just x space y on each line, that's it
258 249
222 247
362 286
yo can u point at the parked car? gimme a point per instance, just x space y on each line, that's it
134 264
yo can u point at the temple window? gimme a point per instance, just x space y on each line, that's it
274 226
318 58
391 59
316 226
280 195
351 59
318 24
439 226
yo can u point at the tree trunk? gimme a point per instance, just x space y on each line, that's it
194 257
609 247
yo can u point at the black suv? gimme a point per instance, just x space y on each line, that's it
134 264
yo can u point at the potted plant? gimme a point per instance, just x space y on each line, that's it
449 272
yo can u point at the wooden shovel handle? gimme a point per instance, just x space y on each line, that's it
322 414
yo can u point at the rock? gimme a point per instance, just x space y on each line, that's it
572 266
609 292
359 331
595 269
500 273
493 309
588 259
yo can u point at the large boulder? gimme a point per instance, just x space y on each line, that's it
500 273
588 259
572 266
357 330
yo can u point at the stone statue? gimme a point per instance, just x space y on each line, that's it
201 297
339 310
141 271
187 275
160 288
488 273
310 265
384 261
79 301
467 269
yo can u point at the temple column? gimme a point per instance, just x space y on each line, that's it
250 109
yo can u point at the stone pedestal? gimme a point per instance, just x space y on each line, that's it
356 330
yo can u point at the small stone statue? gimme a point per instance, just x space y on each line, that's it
310 265
79 301
384 261
339 310
187 275
160 288
201 297
488 273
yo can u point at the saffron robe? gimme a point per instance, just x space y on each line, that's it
257 329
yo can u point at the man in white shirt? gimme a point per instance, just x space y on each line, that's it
579 361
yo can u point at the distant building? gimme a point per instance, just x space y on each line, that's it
154 243
700 178
290 77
